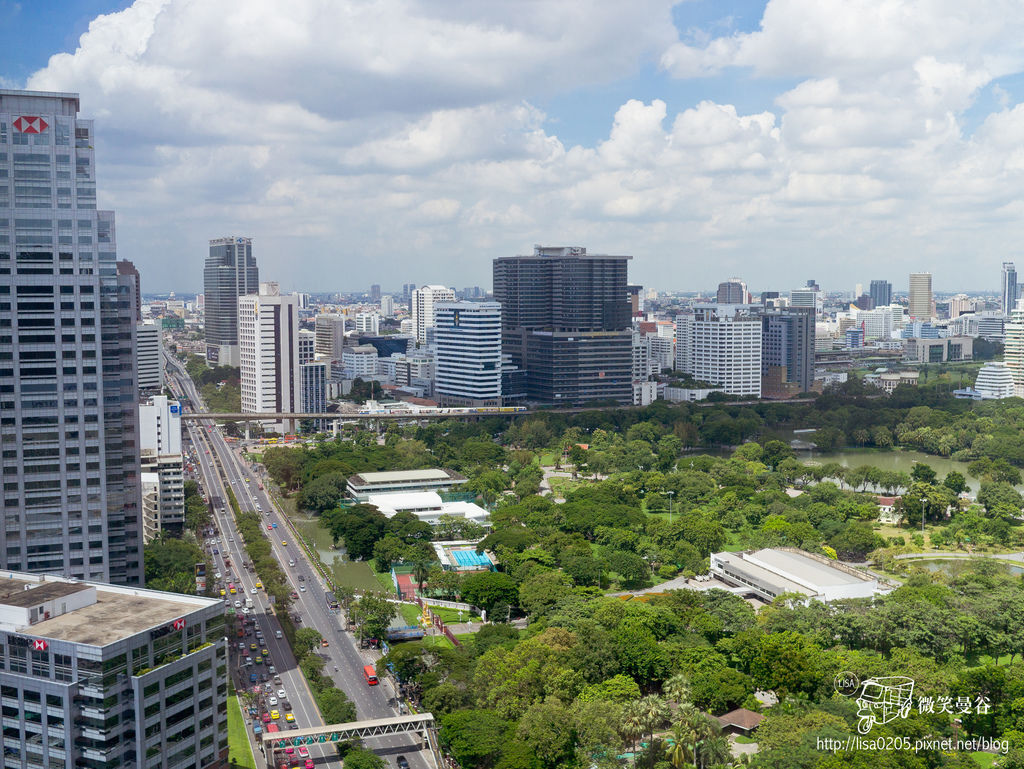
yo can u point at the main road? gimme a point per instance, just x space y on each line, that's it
343 660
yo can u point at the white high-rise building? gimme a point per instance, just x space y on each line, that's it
807 296
1014 349
360 362
368 323
268 344
387 306
468 362
160 444
423 301
148 352
995 381
721 345
920 296
307 345
330 335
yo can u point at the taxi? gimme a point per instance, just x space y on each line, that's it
289 718
283 543
275 714
259 585
266 652
223 592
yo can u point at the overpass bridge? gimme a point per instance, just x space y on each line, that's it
421 724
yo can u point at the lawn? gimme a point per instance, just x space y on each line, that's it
355 574
239 751
561 486
983 759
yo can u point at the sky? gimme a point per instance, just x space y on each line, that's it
413 141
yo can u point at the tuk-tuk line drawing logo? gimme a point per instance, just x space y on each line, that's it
883 699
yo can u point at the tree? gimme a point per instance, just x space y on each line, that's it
360 758
388 551
677 688
306 640
421 573
323 493
547 728
539 592
373 614
786 663
487 588
474 737
336 707
955 482
170 564
923 473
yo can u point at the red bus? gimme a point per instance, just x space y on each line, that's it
370 674
272 727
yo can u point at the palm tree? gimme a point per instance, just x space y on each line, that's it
677 688
698 740
421 573
632 727
655 713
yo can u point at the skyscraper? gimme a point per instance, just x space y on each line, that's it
268 339
149 352
1014 350
423 301
69 423
881 293
732 291
468 363
565 318
230 272
375 293
920 295
787 352
1009 287
387 306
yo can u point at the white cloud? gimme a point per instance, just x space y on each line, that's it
399 140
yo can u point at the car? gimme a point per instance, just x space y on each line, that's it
273 672
282 694
302 588
269 527
283 543
309 764
286 704
238 604
302 578
266 653
294 594
241 646
259 660
323 643
254 591
278 634
245 610
223 592
272 700
217 575
259 585
216 551
264 677
267 687
289 718
252 678
402 762
254 647
275 714
303 751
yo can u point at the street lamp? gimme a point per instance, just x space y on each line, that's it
923 501
671 494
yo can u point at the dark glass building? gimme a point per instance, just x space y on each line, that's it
69 423
230 272
787 352
565 317
881 293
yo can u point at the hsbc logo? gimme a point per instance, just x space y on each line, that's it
178 624
39 645
30 124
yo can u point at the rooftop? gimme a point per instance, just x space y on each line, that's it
404 476
804 568
114 617
24 594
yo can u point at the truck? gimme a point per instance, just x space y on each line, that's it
407 633
248 603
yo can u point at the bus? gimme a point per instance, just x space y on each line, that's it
272 727
370 674
332 602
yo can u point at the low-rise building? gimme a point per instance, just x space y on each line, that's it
96 675
770 572
362 485
428 507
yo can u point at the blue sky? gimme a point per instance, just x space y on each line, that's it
414 141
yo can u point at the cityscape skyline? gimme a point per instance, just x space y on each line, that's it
694 136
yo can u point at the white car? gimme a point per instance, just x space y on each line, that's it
253 591
272 701
217 575
238 604
282 694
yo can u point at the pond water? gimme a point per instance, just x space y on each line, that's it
952 566
899 461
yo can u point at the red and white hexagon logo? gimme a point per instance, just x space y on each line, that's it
39 645
30 124
178 624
